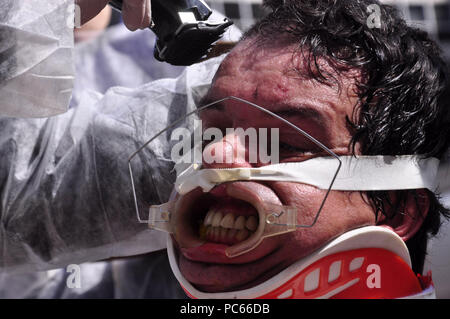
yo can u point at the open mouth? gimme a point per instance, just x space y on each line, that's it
224 225
215 218
229 221
228 217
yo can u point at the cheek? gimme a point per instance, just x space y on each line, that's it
343 211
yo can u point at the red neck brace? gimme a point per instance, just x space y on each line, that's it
369 262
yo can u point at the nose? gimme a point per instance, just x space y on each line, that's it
228 152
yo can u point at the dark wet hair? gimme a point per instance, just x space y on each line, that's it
404 99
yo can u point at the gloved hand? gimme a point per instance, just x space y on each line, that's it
136 13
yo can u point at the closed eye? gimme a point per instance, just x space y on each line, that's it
291 148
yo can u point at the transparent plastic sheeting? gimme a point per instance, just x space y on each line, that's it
100 64
65 193
205 138
36 47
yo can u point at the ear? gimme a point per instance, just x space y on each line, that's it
406 222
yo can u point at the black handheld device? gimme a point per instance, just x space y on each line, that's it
184 36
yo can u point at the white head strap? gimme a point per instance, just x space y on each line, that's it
361 173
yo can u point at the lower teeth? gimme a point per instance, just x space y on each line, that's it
223 235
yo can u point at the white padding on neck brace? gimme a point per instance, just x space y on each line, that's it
362 173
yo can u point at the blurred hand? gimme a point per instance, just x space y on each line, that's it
136 13
94 27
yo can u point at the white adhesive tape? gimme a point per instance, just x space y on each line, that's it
361 173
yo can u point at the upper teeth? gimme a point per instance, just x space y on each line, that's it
215 218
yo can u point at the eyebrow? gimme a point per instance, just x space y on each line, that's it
283 110
302 110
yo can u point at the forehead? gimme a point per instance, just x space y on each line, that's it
275 75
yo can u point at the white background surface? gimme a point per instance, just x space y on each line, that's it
438 261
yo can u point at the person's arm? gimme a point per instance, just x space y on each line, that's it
65 190
136 13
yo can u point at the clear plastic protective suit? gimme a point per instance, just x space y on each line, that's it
100 64
64 185
36 50
199 143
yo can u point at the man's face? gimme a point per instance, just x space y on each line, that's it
270 76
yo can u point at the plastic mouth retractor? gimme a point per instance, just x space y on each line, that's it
274 220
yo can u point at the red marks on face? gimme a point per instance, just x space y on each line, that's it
282 89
